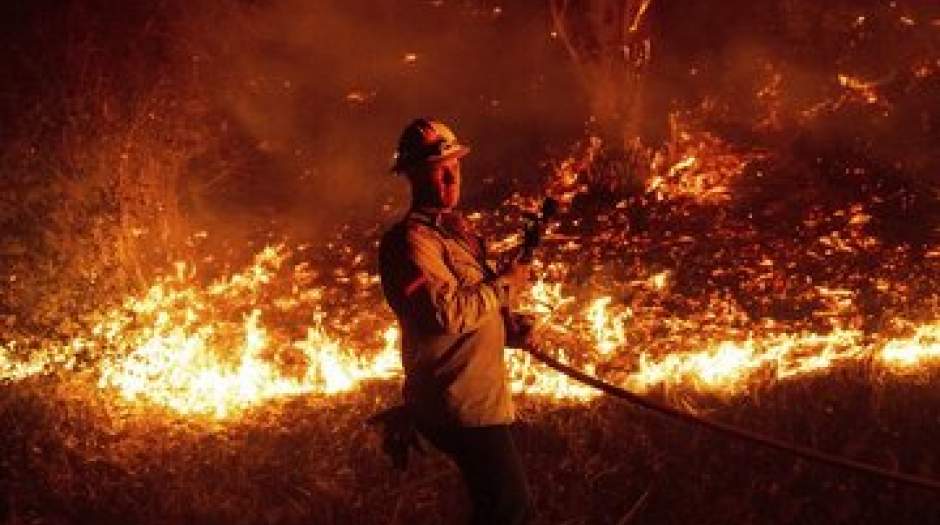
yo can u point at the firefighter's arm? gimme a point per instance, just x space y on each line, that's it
434 293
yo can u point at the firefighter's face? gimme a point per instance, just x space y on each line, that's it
438 183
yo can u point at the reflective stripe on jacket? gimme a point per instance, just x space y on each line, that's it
447 300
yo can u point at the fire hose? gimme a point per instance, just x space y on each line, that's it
533 233
733 431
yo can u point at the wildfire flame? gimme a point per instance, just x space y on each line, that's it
170 348
608 332
907 355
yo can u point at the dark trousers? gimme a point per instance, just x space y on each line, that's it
491 469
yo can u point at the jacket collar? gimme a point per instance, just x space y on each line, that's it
429 214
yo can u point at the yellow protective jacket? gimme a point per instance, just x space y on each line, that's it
448 300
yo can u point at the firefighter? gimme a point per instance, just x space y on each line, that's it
450 304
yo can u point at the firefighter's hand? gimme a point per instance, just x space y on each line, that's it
518 329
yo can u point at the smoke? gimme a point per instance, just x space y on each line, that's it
281 116
314 94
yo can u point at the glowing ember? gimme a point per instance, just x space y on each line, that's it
704 171
659 280
863 90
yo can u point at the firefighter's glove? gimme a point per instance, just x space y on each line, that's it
518 329
399 434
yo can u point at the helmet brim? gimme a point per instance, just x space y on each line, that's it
454 151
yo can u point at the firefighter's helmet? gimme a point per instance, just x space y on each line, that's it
426 140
